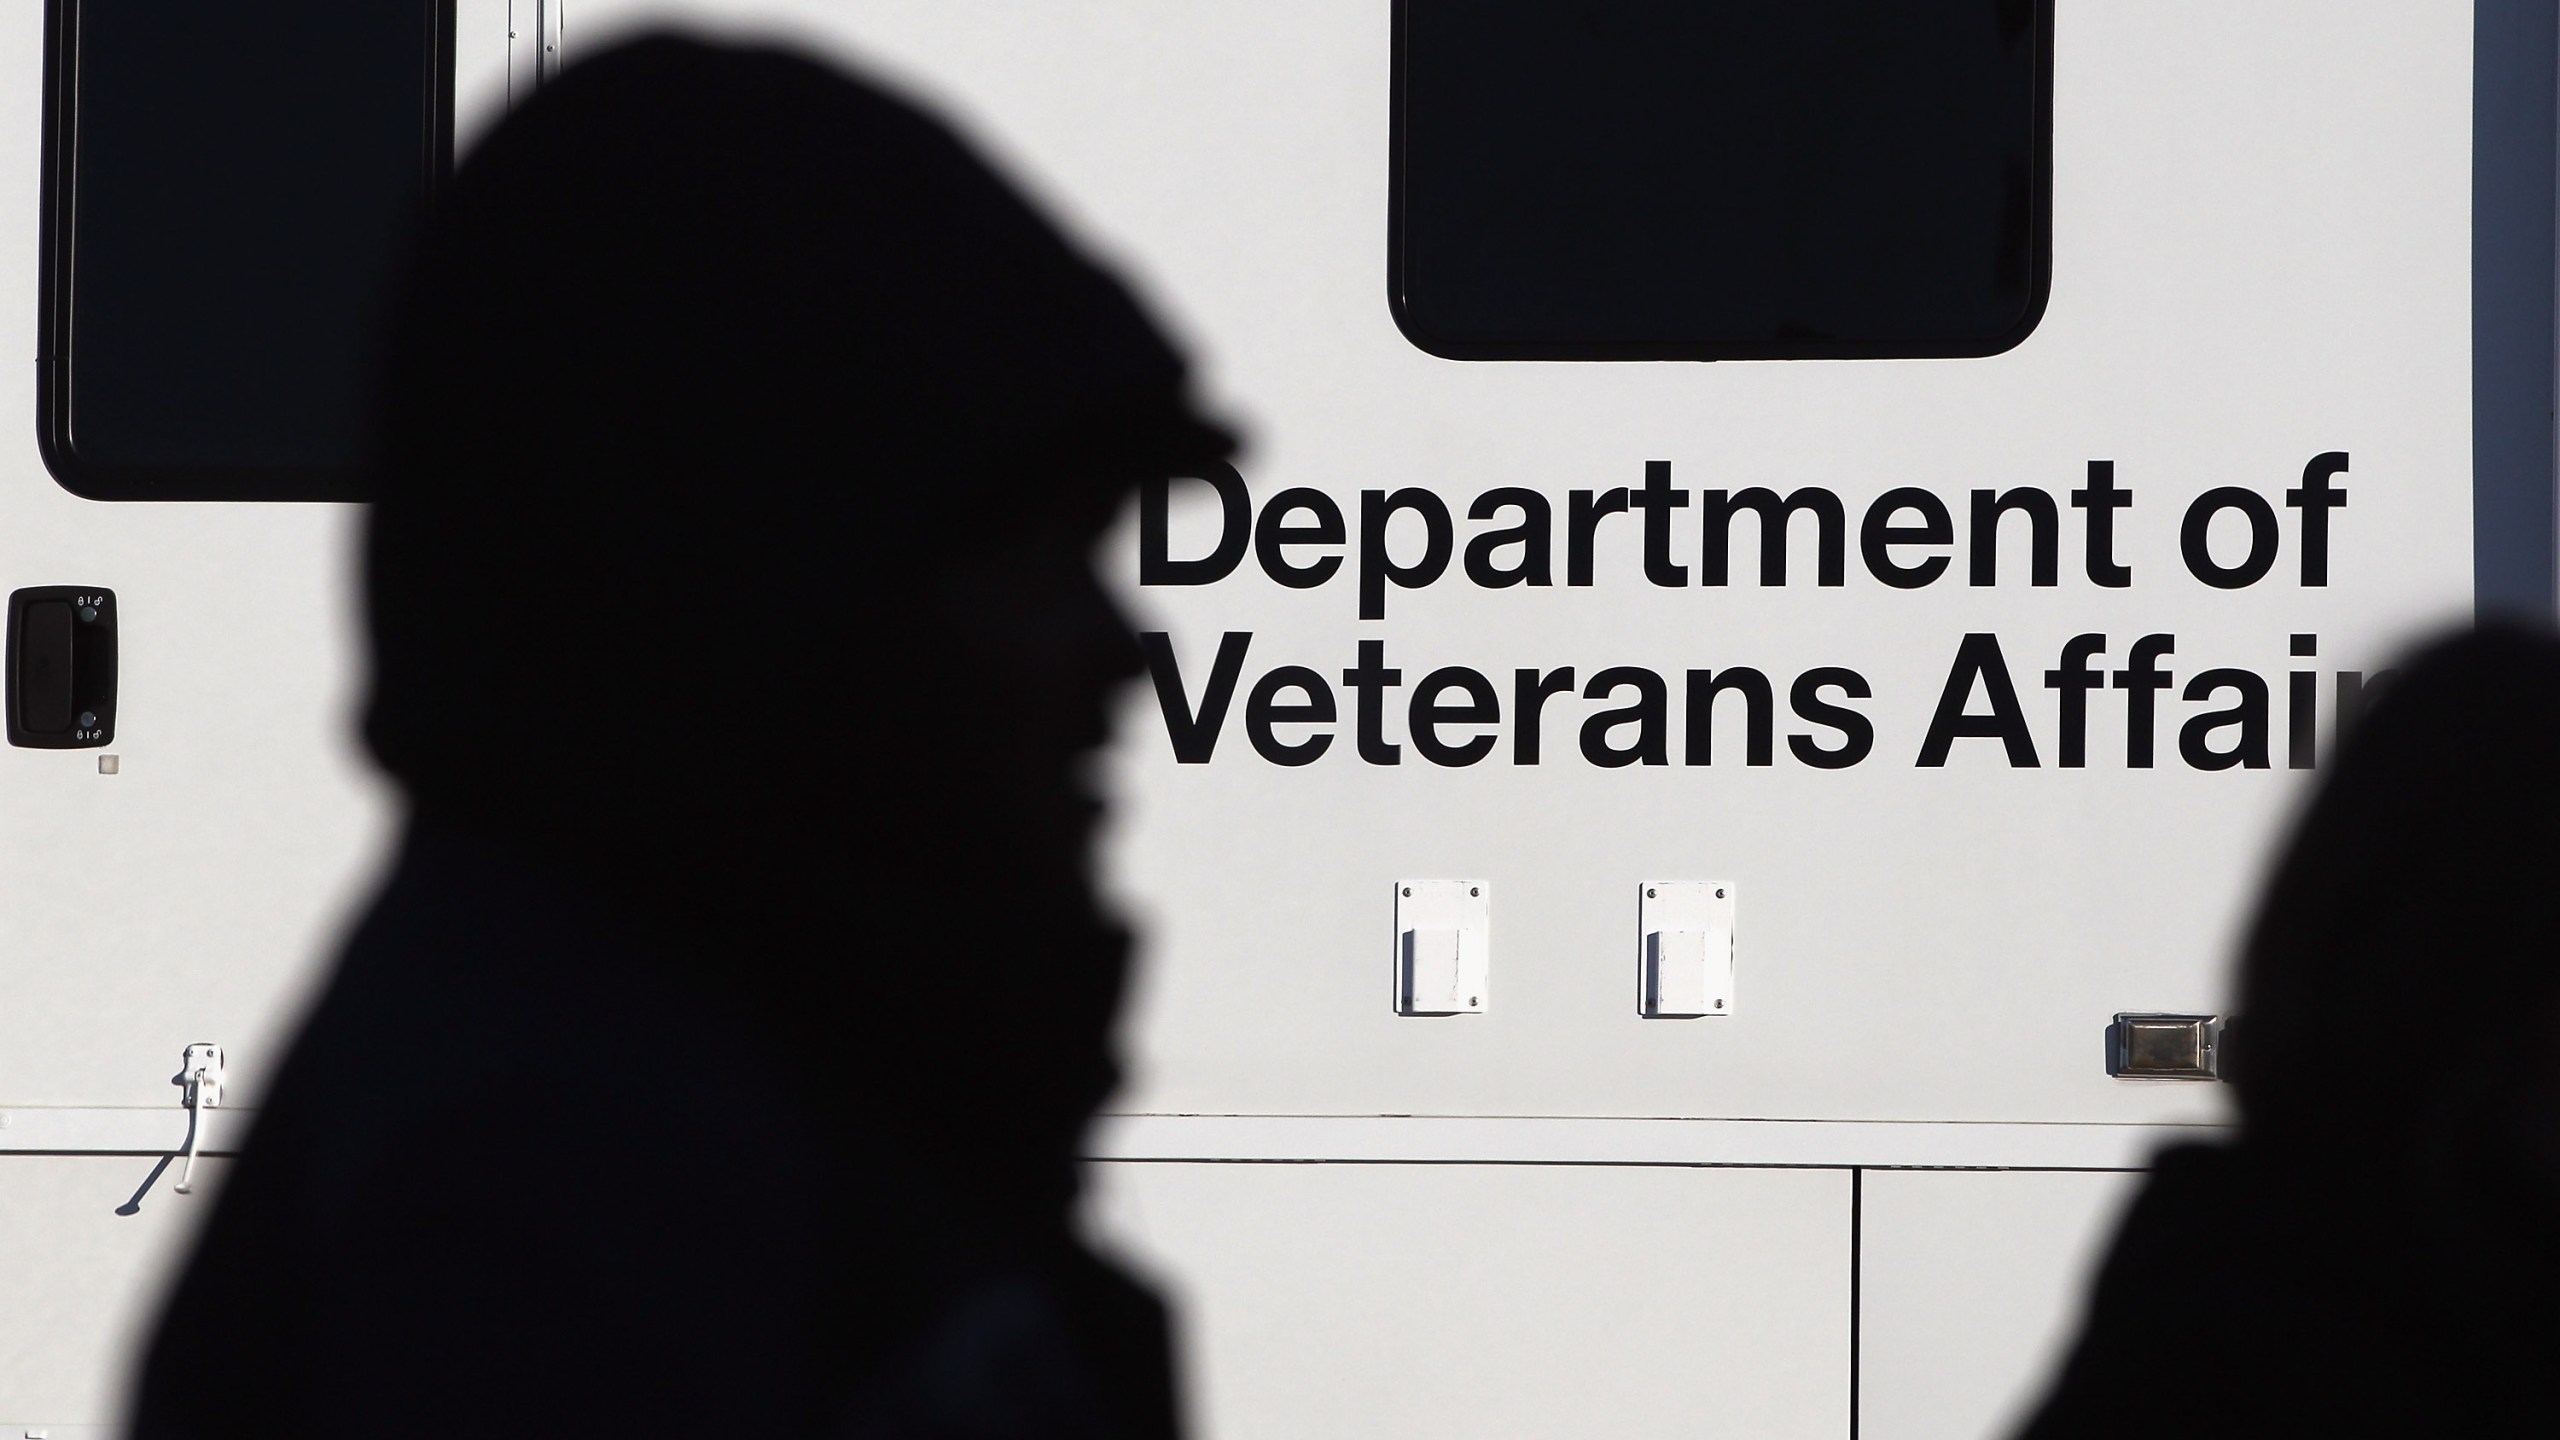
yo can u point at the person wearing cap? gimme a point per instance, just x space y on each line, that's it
2373 1252
716 1052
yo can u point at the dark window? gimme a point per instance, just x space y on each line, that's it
1720 179
227 186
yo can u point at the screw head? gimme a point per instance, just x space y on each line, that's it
1473 890
1719 892
1719 1004
1648 892
1472 1002
1408 890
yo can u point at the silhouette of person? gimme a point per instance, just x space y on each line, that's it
2377 1251
715 1056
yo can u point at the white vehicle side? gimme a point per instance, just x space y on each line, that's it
1858 1202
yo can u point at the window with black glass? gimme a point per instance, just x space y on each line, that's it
1720 179
226 190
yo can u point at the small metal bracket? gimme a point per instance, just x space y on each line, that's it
1443 955
534 54
199 1079
1684 959
2165 1047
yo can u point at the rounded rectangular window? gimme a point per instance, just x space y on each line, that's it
1720 179
226 190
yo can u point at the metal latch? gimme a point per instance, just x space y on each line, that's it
2165 1047
200 1078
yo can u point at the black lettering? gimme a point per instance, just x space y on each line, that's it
2195 537
2249 713
1377 507
1156 566
1759 713
1657 500
2302 710
1263 710
1275 532
1194 733
1534 535
1857 733
1649 712
1582 524
2357 693
1978 659
2302 720
2315 497
1878 536
1831 533
2044 535
1530 691
2072 680
2102 500
1427 712
2141 680
1370 680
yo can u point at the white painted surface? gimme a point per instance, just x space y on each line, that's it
119 1130
1972 1290
1532 1140
195 892
79 1282
1382 1139
2261 253
2251 268
1497 1303
483 47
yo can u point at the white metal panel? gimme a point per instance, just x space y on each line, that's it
111 1130
1532 1140
1925 944
83 1278
2261 253
2248 271
191 895
484 42
1430 1301
2251 268
2269 273
1971 1289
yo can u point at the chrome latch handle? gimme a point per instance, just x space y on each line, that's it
200 1078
